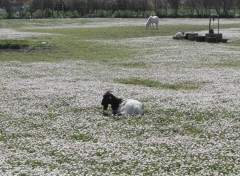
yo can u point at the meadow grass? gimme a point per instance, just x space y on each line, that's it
51 121
233 64
81 44
120 32
33 23
85 43
159 85
235 42
138 65
2 139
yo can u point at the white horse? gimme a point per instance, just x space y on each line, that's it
151 20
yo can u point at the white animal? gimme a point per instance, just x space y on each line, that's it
151 20
120 107
179 35
131 107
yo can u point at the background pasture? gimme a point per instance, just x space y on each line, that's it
51 89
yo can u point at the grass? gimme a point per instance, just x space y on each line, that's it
129 65
2 139
86 43
235 43
82 43
54 122
32 23
122 32
24 50
34 164
159 85
81 137
233 64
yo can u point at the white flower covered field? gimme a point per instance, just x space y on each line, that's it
51 119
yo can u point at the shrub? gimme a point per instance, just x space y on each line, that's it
37 14
161 13
75 14
149 13
118 14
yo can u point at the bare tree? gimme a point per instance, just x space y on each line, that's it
123 4
217 6
8 7
143 5
157 4
206 4
174 5
237 4
226 6
190 6
165 6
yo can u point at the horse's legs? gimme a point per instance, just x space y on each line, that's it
157 25
151 25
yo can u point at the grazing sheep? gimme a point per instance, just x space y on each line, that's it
151 20
121 107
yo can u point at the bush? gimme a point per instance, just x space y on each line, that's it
75 14
55 14
119 14
26 13
37 14
132 14
68 14
48 13
161 13
100 13
149 13
3 13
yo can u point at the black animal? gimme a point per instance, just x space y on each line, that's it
109 98
120 107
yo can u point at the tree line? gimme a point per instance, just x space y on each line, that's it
118 8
